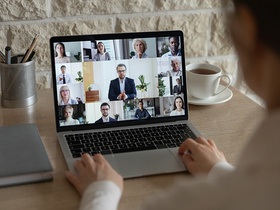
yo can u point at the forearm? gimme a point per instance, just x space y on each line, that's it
101 195
220 169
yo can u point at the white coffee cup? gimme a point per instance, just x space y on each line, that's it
203 80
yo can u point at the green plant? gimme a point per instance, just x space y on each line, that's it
116 116
164 48
161 86
79 78
129 104
143 86
78 56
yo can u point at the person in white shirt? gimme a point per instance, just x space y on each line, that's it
140 47
65 97
64 77
101 54
254 183
175 69
60 54
105 110
173 47
178 106
68 115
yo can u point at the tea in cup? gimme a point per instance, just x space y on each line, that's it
203 80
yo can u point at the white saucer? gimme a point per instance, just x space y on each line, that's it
224 96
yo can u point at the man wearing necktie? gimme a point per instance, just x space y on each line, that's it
64 80
64 77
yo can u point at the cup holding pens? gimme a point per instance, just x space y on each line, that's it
18 84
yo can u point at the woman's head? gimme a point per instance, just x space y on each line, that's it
266 14
140 104
256 36
101 47
60 50
178 103
64 92
68 111
139 45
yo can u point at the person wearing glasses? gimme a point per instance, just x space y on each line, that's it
122 88
64 96
105 109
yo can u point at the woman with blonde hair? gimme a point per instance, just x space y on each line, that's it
64 96
68 112
140 47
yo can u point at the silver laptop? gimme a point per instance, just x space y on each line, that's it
122 95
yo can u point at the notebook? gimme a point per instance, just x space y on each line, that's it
23 158
122 95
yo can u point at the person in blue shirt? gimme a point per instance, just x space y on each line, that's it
173 47
141 113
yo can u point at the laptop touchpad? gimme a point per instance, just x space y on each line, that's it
142 163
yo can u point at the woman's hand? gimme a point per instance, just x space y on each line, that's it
200 155
92 169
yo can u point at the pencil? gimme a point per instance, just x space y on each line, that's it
31 48
31 55
2 57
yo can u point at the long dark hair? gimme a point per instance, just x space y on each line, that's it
174 103
64 54
267 16
103 46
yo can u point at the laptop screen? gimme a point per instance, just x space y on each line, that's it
118 79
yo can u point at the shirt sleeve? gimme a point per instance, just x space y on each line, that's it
220 169
101 195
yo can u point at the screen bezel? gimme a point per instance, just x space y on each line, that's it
91 37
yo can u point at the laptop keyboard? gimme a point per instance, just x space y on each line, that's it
128 140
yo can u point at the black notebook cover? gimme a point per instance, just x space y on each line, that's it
23 158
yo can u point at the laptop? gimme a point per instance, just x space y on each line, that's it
122 95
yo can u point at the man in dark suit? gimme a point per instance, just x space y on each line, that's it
105 108
122 88
178 88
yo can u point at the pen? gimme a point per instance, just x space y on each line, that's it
8 54
30 49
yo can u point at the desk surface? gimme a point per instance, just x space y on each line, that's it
230 125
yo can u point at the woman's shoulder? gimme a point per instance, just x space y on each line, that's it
173 112
62 60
